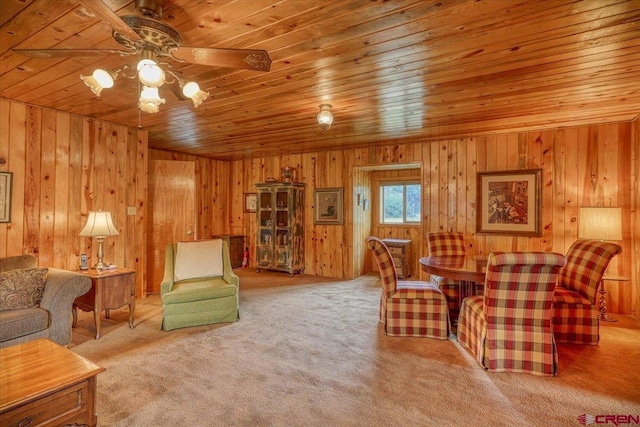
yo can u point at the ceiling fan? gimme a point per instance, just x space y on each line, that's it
147 36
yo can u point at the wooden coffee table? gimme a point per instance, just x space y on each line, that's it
43 383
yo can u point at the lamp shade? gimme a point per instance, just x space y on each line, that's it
601 223
99 224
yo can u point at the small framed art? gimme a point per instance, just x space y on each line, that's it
250 202
6 182
328 208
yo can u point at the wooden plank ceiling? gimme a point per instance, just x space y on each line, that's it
410 70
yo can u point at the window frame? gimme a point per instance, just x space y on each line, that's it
404 182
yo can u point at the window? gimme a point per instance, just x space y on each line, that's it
400 202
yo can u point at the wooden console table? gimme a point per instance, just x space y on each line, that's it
43 383
236 247
110 289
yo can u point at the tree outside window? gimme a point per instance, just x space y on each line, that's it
400 203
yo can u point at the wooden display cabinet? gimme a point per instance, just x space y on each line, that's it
280 227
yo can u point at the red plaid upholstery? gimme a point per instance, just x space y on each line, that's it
408 309
575 305
509 328
447 243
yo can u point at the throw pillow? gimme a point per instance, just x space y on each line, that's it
22 288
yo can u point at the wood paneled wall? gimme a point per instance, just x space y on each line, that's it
582 166
63 167
635 220
66 165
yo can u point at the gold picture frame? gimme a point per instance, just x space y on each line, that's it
328 206
250 202
509 202
6 184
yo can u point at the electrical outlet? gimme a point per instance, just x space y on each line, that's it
131 210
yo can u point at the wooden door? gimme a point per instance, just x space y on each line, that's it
171 213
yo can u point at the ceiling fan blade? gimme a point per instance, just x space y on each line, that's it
176 89
109 17
257 60
66 53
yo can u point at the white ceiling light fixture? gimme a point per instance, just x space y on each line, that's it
151 76
325 118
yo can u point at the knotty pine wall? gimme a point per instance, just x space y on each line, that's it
582 166
64 166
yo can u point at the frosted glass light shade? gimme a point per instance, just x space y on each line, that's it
100 79
150 74
600 223
150 100
325 118
192 90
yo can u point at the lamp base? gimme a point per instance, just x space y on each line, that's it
603 315
100 265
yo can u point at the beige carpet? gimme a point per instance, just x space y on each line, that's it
309 351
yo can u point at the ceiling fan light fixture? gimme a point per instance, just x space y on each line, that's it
192 90
150 73
150 100
100 79
325 118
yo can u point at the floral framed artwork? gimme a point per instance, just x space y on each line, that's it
509 202
6 182
328 206
250 202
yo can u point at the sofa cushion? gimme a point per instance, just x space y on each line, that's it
198 259
18 323
196 290
22 288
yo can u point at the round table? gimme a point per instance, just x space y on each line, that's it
469 270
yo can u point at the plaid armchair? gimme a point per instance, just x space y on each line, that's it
509 327
447 244
575 309
408 308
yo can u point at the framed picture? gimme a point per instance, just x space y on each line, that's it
509 202
327 204
250 202
6 182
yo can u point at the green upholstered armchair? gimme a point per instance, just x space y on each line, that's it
203 290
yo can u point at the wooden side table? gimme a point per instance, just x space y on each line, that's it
110 289
603 315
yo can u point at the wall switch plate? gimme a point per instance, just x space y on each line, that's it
131 210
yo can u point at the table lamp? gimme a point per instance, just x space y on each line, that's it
99 225
600 223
